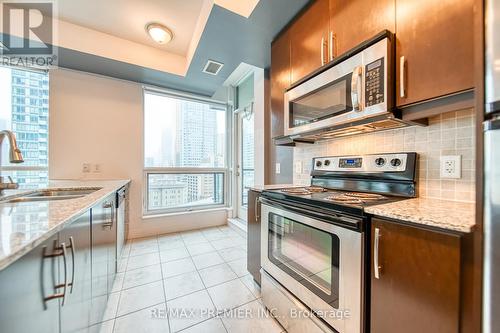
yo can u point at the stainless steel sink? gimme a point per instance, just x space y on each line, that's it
52 195
62 192
41 198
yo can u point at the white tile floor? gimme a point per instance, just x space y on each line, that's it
194 281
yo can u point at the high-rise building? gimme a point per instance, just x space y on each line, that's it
191 141
28 119
196 144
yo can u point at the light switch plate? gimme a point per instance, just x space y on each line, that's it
451 167
278 168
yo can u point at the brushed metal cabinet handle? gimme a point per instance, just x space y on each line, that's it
72 247
256 209
376 265
356 90
322 51
331 46
62 249
65 286
402 64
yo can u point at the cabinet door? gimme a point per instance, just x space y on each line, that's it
253 239
308 40
280 81
110 211
417 289
353 22
436 40
75 312
103 242
24 286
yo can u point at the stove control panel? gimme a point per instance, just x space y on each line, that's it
362 163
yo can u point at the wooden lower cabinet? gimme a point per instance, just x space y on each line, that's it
253 235
419 278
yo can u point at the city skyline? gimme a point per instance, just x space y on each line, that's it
181 133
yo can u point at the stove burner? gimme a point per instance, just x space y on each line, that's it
354 198
344 199
303 190
365 196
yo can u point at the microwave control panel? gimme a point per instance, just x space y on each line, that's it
374 82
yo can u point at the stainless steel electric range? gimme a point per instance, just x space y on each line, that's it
314 239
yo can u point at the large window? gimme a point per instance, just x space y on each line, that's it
184 154
24 109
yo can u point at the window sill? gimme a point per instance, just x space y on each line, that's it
208 210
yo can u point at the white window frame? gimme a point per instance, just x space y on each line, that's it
146 212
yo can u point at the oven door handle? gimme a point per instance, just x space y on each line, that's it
344 221
376 264
356 90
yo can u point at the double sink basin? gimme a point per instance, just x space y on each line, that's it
51 195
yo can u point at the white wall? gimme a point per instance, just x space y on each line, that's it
99 120
259 126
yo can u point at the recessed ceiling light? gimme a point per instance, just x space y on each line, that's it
159 33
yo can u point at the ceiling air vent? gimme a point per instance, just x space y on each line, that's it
212 67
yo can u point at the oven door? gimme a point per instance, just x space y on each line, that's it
317 261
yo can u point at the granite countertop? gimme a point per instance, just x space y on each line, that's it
260 188
443 214
24 225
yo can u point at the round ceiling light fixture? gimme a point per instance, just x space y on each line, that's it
159 33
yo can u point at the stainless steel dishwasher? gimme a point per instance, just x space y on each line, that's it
121 223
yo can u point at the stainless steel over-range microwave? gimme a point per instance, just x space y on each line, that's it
356 88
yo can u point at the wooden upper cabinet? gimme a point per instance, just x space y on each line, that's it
353 22
308 40
417 289
436 40
280 80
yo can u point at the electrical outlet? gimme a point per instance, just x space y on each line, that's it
278 168
298 167
86 167
451 167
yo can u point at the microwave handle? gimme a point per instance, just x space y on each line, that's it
356 91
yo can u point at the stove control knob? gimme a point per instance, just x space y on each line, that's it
395 162
327 162
380 161
319 164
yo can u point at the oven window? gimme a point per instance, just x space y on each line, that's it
309 255
325 102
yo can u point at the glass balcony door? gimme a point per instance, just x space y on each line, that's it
245 164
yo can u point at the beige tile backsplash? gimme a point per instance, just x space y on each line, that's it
451 133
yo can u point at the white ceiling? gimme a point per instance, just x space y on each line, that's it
127 18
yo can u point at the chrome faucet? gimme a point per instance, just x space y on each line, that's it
15 156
